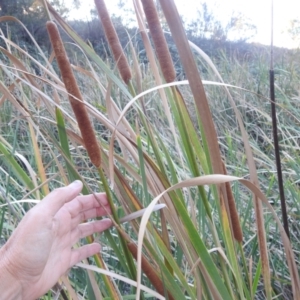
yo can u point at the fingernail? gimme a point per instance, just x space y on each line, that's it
76 183
108 222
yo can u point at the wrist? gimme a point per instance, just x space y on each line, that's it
10 287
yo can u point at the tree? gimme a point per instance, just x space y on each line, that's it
24 9
240 28
32 14
208 26
294 30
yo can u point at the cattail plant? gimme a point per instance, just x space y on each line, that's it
75 96
113 41
87 132
161 47
83 120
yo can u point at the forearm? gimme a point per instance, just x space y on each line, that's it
10 288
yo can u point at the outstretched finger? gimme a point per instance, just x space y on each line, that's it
87 202
86 229
83 252
57 198
90 214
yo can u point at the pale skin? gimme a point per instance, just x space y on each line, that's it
40 249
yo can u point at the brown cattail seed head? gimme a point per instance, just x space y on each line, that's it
113 41
161 47
75 97
236 226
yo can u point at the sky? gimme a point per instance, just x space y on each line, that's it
257 11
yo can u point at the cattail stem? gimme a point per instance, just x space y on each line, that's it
275 135
108 195
161 47
235 222
113 41
150 272
75 96
131 89
123 243
108 281
234 217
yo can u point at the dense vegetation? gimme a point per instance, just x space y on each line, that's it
162 140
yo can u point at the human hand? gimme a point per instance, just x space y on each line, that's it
40 250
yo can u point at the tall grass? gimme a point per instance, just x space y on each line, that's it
201 146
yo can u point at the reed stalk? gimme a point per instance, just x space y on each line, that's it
113 41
